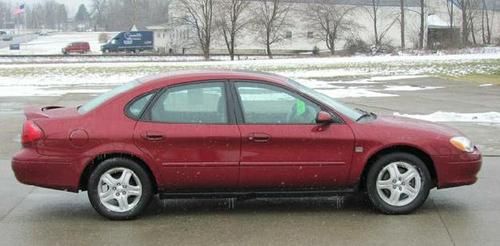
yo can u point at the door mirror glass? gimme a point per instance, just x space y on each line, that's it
324 117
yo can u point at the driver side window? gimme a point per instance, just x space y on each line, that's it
267 104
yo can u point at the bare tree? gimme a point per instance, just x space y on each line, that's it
119 15
485 23
270 19
330 20
470 12
422 25
231 21
450 5
200 18
465 7
374 13
61 17
5 13
98 13
402 22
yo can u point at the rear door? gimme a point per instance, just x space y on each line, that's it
191 134
282 146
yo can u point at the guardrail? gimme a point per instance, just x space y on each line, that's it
144 55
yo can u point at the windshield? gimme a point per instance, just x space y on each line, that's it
337 106
94 103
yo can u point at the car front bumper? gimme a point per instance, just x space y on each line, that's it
457 170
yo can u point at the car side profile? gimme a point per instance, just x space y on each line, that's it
217 134
76 47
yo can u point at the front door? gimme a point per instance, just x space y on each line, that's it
188 131
283 147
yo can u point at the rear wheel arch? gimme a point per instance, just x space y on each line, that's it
90 167
422 155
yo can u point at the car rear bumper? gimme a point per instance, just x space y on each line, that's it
32 168
458 170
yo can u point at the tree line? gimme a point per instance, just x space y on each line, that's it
329 21
109 15
268 20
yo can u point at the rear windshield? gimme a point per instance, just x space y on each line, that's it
96 102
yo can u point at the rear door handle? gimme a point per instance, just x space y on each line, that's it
259 137
153 136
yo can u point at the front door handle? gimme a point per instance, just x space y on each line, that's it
259 137
153 136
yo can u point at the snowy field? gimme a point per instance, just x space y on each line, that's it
54 42
338 77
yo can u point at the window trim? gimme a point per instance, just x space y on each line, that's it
230 113
126 109
239 108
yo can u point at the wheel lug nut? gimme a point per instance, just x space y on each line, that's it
114 188
117 193
394 187
394 181
123 192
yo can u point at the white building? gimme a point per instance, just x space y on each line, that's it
177 38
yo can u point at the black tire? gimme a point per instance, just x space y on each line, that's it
371 183
142 175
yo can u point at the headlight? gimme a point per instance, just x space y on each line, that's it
462 143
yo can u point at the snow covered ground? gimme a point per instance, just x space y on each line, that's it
439 116
54 42
351 77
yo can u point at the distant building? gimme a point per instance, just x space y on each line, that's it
176 38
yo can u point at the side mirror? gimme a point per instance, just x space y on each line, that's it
324 118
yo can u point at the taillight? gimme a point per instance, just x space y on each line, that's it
31 132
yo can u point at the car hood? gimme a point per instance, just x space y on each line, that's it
414 125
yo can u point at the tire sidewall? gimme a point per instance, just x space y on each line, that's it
380 164
114 163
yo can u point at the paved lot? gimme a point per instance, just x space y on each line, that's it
459 216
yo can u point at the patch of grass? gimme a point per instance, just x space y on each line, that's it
478 78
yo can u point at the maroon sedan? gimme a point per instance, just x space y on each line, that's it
235 134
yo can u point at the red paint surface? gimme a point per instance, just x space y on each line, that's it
203 156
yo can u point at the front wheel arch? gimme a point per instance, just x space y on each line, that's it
426 158
89 168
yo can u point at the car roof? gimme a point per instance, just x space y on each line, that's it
176 77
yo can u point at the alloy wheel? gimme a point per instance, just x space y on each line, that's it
119 189
398 183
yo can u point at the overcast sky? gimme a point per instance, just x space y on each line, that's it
71 5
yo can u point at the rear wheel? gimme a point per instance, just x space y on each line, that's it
119 189
398 183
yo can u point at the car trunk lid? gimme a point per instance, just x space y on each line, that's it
33 112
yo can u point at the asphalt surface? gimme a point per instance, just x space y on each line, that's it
459 216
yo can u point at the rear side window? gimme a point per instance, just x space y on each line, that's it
203 103
137 106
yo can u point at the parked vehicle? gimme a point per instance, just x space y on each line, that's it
130 42
235 134
14 47
76 47
5 36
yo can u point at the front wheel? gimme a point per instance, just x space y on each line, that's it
119 189
398 183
